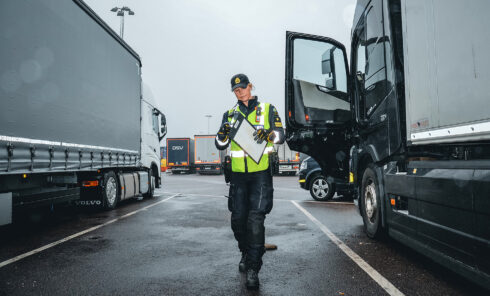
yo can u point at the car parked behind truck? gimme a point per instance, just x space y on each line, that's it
73 116
406 125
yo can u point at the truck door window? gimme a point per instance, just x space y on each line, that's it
375 70
154 120
320 82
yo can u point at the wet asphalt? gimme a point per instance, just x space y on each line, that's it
180 243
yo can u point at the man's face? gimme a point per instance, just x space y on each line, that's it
243 94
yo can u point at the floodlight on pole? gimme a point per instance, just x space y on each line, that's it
209 117
120 12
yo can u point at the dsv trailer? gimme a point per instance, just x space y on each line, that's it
73 116
180 155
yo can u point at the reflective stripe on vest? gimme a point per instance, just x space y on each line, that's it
240 161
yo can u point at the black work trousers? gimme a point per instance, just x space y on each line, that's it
251 196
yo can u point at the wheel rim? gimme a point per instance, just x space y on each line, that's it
111 190
320 188
370 203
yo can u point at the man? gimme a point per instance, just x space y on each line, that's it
251 183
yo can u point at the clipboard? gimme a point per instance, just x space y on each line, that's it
242 132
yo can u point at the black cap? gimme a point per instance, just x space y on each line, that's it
239 80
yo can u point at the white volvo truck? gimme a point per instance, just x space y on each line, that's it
75 124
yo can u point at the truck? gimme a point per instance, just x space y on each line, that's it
74 121
208 159
180 155
406 126
288 160
163 159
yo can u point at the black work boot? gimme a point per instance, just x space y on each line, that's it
252 279
242 266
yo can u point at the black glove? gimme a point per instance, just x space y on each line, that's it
224 131
264 135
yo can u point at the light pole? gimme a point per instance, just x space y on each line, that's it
209 117
120 12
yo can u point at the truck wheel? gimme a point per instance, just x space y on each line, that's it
110 190
371 203
321 189
151 186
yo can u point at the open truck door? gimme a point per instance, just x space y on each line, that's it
317 100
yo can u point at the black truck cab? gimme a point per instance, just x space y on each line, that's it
353 121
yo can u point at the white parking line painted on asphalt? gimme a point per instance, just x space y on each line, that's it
219 196
376 276
278 199
329 202
45 247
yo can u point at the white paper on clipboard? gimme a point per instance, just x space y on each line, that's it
244 137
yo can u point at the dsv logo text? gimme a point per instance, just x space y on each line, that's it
178 148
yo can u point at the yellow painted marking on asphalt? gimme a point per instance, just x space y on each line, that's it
375 275
45 247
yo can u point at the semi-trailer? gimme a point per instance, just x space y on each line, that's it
208 159
180 155
406 127
73 116
289 160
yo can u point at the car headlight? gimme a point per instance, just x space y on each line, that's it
303 166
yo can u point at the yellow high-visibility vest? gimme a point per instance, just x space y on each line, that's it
240 161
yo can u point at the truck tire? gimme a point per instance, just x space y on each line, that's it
110 190
151 186
321 189
370 202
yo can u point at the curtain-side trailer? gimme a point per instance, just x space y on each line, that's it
73 119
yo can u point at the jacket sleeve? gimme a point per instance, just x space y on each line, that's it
276 125
222 145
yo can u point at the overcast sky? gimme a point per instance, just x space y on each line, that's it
191 48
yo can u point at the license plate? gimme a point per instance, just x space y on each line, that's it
284 166
207 168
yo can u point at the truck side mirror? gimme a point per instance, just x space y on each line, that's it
360 77
163 127
328 68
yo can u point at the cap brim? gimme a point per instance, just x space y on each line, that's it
242 85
